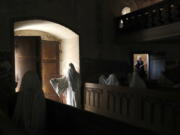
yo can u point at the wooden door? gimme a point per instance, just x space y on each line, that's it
49 67
26 56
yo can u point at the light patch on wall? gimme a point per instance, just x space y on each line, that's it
55 29
69 56
126 10
43 35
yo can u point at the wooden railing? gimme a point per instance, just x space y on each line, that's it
162 13
155 110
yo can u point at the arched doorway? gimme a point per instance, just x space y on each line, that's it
57 46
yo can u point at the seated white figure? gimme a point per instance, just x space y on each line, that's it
163 81
73 90
102 79
30 110
60 85
136 81
112 80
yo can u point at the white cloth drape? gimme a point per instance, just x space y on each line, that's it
60 85
30 110
102 79
69 85
111 80
136 81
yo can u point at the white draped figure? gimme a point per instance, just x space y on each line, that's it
30 110
73 93
60 85
102 79
136 81
112 80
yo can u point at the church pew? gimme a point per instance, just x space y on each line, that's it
155 110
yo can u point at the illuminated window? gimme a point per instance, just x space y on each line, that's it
126 10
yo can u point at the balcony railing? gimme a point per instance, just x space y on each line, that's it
162 13
154 109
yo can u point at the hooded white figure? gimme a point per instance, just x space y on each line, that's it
30 110
102 79
73 97
136 81
60 85
112 80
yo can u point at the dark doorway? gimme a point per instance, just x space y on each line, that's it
26 57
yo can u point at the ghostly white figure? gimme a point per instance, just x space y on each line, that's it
73 97
102 79
60 85
30 110
112 80
136 81
163 81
